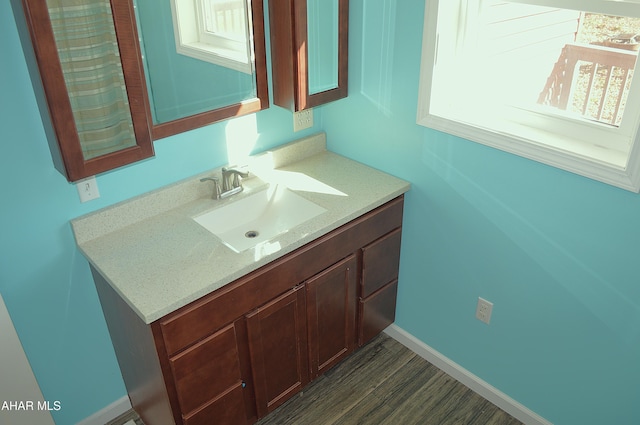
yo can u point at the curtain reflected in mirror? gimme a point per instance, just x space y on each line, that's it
186 81
87 46
322 38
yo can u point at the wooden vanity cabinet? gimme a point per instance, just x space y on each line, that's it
236 354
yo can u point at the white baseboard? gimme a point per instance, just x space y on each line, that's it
109 413
460 374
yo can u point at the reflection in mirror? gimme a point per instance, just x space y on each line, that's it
309 52
86 72
198 77
322 50
93 76
215 31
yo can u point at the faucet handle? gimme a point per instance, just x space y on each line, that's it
216 186
236 170
227 172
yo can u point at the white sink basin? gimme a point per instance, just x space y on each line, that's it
259 217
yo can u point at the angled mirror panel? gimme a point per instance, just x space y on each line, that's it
87 46
341 67
87 77
323 44
204 61
309 49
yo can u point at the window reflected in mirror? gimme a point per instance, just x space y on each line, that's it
198 57
215 31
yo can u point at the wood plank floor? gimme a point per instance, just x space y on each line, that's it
384 383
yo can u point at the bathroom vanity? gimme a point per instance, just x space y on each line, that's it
204 334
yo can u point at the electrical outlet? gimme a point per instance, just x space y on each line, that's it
483 310
302 119
88 189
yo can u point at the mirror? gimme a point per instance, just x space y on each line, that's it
309 52
86 73
204 61
323 45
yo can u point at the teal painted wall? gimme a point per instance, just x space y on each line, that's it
45 281
556 253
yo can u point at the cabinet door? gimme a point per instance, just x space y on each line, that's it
309 39
331 315
278 349
88 79
208 380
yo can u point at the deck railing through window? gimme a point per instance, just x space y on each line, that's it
591 80
226 16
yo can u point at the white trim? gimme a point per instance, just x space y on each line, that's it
109 413
607 168
232 54
626 178
606 7
460 374
228 58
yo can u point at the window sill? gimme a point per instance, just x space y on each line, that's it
605 165
221 56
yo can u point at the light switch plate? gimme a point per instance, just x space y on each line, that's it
88 189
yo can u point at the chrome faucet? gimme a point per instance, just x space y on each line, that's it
231 181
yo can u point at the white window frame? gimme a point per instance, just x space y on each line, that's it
191 40
616 166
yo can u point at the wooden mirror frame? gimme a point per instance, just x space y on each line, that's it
289 63
260 102
53 99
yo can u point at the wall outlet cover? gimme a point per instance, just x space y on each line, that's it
483 310
302 119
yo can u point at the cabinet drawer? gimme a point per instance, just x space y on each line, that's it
380 262
206 370
377 312
227 409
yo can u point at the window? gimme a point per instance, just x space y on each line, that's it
216 31
544 79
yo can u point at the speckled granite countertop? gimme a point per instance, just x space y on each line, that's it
159 259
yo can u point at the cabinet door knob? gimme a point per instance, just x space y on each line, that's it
244 384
